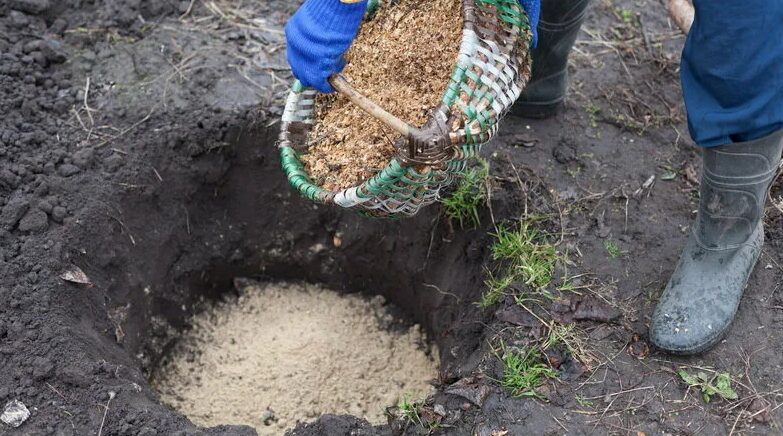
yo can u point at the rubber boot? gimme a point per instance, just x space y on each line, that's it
702 296
557 31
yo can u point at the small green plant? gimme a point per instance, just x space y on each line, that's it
593 110
470 194
525 257
628 16
710 385
410 411
582 401
524 371
566 284
530 259
612 248
496 286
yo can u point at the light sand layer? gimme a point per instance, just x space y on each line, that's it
299 350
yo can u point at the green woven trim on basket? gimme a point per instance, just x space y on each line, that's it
511 12
378 184
452 90
372 6
399 183
298 177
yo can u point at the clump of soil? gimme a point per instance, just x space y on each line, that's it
285 353
402 59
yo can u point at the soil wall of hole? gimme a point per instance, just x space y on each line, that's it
170 248
171 190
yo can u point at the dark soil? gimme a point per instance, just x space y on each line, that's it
137 143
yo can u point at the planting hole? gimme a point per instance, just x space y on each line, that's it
287 352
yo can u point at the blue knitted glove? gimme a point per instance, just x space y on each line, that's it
318 35
533 9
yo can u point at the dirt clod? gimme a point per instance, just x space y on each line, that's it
35 221
288 352
402 60
30 6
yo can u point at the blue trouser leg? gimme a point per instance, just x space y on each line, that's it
732 71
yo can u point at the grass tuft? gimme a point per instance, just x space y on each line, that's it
582 401
612 248
524 371
525 257
410 411
470 194
496 286
531 259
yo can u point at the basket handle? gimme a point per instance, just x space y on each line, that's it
427 146
340 84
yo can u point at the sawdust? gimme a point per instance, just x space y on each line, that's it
285 353
402 59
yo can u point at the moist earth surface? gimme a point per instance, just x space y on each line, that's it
137 157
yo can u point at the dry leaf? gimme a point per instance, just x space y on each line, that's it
75 275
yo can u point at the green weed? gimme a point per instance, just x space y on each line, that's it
628 16
582 401
612 248
470 194
593 110
710 385
524 371
531 260
496 287
410 411
566 285
525 257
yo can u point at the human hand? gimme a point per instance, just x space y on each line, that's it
318 35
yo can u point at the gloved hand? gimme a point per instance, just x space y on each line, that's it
533 9
318 35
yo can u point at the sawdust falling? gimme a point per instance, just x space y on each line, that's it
284 353
402 59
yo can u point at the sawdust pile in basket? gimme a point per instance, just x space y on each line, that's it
402 59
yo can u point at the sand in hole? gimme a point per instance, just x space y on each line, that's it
299 350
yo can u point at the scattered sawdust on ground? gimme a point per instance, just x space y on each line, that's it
402 60
299 350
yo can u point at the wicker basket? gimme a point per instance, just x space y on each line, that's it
492 68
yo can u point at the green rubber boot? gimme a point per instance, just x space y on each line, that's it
701 299
557 31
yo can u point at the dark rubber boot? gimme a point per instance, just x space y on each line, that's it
557 31
701 299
